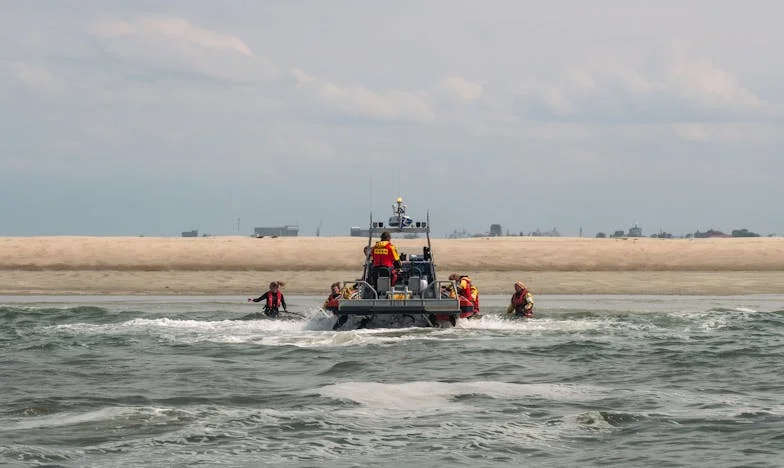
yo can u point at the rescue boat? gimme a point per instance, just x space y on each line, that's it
418 298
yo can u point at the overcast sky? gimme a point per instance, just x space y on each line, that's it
151 118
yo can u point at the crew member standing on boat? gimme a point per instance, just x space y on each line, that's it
522 304
385 255
273 300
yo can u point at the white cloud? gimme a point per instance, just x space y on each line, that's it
174 45
551 97
177 28
363 102
602 88
461 88
710 85
106 26
34 76
726 133
685 90
692 132
167 43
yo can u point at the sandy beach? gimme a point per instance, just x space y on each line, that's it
244 265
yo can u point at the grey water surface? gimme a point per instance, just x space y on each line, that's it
202 381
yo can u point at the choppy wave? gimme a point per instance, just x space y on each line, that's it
596 380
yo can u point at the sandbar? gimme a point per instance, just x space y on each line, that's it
85 265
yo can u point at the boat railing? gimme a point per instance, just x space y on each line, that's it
433 290
443 286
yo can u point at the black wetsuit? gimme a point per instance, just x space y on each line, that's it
271 305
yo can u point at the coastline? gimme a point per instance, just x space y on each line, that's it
74 265
249 283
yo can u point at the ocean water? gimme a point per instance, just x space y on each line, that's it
194 381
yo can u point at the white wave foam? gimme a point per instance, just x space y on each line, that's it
109 415
315 330
424 395
545 324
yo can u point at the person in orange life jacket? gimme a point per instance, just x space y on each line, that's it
273 299
522 304
465 288
331 303
385 255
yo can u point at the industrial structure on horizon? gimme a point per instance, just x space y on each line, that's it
289 230
357 231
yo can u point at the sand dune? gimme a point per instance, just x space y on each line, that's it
240 265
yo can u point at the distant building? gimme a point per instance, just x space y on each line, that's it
635 231
461 234
495 230
551 233
710 233
283 231
357 231
193 233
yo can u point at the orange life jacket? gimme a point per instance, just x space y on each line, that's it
466 289
521 299
464 286
385 254
332 302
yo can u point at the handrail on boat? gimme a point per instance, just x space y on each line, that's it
433 289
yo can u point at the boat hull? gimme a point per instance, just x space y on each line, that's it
400 320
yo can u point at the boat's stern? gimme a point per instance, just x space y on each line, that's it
423 305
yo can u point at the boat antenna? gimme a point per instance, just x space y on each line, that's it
398 180
370 198
427 232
